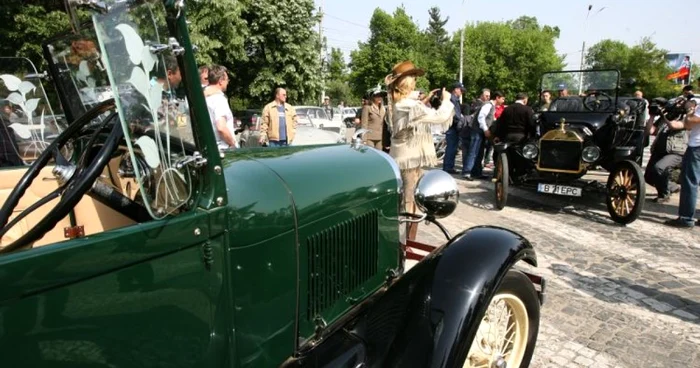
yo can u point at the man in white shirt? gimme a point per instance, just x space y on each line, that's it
219 110
690 170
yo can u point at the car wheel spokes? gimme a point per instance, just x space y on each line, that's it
502 336
624 192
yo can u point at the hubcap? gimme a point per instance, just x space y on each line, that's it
623 193
501 339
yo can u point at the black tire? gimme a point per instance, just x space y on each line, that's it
517 286
626 190
502 178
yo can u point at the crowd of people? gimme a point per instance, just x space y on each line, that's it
404 129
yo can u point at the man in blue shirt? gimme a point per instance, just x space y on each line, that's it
452 134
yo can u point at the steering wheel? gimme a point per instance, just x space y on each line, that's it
597 101
78 179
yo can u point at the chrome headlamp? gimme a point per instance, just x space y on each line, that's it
530 151
590 154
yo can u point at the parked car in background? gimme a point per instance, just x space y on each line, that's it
308 135
248 127
320 119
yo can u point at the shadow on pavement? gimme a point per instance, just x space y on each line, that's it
624 291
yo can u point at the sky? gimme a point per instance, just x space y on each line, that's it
346 22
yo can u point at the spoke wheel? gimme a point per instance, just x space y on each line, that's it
508 331
625 192
501 180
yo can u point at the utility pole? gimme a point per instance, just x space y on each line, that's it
461 48
583 48
320 51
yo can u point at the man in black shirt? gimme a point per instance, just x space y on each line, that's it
516 122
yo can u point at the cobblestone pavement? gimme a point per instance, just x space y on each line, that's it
617 296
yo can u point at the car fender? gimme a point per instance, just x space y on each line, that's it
429 316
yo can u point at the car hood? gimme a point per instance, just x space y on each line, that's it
321 180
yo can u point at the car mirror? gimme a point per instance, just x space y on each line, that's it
437 194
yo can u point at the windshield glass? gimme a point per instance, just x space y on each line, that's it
580 91
79 73
27 120
145 74
312 112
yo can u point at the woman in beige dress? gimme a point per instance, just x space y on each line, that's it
411 134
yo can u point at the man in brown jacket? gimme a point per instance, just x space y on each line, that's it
279 121
373 119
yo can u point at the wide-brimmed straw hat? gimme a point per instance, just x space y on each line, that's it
402 69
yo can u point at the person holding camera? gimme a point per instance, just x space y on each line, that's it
666 154
690 169
411 129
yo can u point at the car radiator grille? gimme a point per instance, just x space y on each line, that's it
341 259
560 155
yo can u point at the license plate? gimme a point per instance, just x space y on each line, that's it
559 189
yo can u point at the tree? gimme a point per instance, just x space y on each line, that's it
436 50
643 62
393 38
281 49
337 68
507 56
25 25
436 32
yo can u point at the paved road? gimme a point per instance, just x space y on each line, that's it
617 296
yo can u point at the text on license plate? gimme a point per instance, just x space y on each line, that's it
559 189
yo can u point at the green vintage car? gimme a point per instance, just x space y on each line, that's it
131 241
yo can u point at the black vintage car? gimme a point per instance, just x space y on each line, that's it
586 126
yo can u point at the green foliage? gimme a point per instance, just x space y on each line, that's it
218 31
282 51
393 38
337 68
23 27
436 48
643 62
507 56
265 44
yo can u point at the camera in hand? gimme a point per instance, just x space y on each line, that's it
436 100
673 109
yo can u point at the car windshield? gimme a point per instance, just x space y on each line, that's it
312 112
144 73
304 120
26 116
80 75
582 91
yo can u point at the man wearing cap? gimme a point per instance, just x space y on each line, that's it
373 119
562 92
452 135
327 107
